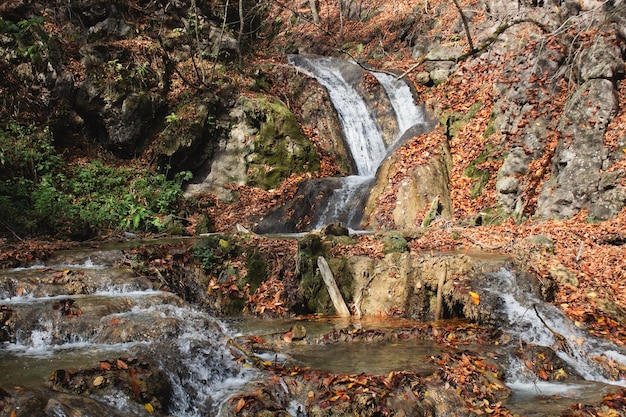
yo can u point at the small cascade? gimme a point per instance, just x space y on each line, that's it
346 204
361 131
535 322
401 97
52 329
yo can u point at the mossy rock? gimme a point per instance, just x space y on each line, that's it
257 271
454 122
394 243
279 146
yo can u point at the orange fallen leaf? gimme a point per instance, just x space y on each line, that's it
475 297
121 364
240 404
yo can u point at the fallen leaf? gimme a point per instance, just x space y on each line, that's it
240 404
475 297
121 364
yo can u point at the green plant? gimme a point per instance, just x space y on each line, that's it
172 119
39 194
31 40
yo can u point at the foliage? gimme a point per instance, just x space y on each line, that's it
31 40
213 252
40 195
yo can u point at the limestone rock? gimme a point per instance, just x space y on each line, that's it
579 156
264 146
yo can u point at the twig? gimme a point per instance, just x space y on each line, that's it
465 25
580 251
561 342
256 361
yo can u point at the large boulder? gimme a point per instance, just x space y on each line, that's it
265 146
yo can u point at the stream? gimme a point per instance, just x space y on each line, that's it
81 309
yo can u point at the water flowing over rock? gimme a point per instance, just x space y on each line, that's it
136 348
368 143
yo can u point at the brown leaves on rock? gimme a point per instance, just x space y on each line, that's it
68 308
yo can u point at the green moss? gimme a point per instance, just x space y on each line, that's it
279 147
454 122
480 176
311 285
394 243
493 216
257 271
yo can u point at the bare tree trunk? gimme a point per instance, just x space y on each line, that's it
241 28
198 45
217 53
340 21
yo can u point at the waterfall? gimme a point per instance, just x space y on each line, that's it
361 131
535 322
401 97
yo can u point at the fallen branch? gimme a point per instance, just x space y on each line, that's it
442 280
331 285
256 361
561 342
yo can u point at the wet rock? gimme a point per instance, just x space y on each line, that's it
298 331
336 229
135 383
42 402
301 212
6 326
546 364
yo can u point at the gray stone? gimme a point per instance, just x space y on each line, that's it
579 155
516 162
602 60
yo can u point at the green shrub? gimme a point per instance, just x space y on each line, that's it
40 195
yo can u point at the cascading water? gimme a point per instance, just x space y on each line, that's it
361 131
535 322
113 321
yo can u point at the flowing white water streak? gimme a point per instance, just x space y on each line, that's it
401 97
362 134
521 308
345 204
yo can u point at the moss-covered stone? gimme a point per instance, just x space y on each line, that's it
279 146
257 271
453 122
480 176
393 243
312 289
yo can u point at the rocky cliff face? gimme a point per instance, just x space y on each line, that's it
533 116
